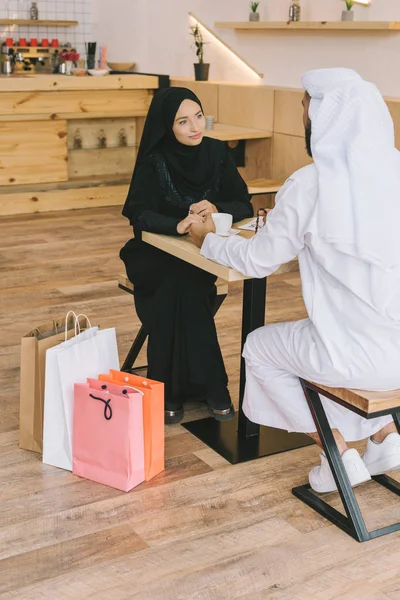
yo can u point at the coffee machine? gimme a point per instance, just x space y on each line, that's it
28 59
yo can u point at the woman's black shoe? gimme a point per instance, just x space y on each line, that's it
173 416
225 414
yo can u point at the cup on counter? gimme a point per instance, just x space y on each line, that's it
22 42
54 43
45 43
9 42
223 223
33 42
209 122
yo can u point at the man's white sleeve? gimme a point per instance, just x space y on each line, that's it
277 243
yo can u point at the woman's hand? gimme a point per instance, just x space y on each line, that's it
199 231
183 226
203 208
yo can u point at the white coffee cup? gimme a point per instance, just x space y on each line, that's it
222 222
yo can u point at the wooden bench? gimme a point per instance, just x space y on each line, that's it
263 186
369 405
138 342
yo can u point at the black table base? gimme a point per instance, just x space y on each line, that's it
240 440
223 437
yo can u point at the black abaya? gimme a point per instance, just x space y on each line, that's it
173 299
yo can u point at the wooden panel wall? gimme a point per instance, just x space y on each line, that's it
394 109
89 104
289 155
205 91
258 159
288 114
289 152
33 152
246 106
98 163
91 130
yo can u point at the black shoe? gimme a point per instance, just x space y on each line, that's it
173 416
225 414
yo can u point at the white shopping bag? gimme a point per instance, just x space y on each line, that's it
73 361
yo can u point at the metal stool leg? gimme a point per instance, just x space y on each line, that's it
353 524
135 349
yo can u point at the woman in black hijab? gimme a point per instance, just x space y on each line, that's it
179 177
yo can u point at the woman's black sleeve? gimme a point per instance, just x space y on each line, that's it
144 201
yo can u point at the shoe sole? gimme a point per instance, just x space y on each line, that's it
218 417
389 466
353 485
173 419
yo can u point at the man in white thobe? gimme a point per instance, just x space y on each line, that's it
341 217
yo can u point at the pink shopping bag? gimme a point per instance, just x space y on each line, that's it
153 417
108 444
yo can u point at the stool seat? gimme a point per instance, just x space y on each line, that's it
368 401
125 284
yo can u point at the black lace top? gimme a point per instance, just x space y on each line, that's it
154 204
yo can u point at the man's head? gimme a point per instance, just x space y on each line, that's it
307 122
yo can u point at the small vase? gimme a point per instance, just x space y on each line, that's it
347 15
254 16
68 67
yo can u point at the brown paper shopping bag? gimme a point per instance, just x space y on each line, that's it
33 360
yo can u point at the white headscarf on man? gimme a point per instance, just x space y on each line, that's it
358 166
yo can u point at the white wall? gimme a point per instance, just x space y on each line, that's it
70 10
155 35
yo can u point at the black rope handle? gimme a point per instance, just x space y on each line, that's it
107 407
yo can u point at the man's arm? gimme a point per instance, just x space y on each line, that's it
278 242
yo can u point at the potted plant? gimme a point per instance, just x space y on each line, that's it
254 14
201 69
348 15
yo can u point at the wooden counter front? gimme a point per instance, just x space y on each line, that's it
56 129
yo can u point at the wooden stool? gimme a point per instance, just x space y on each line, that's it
369 405
137 345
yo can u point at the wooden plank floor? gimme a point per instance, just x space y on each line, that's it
204 529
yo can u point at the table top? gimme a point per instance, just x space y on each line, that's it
185 249
264 186
226 133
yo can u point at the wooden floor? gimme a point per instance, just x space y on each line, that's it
204 529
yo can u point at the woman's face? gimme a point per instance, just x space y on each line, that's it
189 124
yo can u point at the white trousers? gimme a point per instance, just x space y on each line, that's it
276 356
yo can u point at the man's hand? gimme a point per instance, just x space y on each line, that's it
203 208
187 222
198 231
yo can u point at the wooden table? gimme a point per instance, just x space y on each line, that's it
240 439
229 133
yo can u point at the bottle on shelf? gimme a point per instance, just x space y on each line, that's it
34 11
295 11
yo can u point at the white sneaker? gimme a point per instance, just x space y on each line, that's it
321 478
384 457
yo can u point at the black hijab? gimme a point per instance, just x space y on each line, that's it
193 169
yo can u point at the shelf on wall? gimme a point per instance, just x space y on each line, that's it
38 23
382 26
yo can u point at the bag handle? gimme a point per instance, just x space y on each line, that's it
77 327
87 320
107 407
67 317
